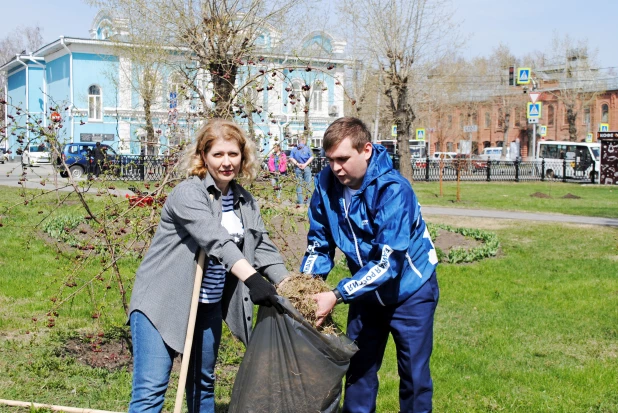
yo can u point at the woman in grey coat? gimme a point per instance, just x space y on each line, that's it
208 211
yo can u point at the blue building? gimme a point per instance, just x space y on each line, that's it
92 85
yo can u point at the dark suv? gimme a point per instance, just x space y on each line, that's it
79 158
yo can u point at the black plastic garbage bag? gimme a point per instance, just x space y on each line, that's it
290 367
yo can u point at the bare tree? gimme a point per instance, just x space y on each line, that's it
575 81
506 99
23 40
399 34
212 36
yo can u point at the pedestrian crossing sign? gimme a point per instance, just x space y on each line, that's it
420 134
394 130
543 130
604 127
534 110
589 137
523 75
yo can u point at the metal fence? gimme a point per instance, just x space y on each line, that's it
480 170
154 168
139 167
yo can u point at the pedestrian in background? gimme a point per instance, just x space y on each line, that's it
364 207
99 158
277 165
301 157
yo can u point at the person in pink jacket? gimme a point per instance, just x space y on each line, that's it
277 165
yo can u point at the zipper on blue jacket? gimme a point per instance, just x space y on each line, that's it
345 208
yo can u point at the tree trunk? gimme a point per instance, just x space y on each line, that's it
307 125
251 126
404 116
505 143
150 135
572 119
223 79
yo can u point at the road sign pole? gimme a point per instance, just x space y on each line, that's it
533 149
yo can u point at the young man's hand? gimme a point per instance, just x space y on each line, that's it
326 302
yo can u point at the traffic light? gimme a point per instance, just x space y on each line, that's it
511 75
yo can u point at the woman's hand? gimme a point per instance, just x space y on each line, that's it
262 292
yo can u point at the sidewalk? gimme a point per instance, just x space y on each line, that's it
521 216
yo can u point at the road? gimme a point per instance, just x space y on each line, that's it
521 216
41 177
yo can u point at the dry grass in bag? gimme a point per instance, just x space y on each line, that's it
298 289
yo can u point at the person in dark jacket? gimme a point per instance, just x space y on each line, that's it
99 158
364 207
209 211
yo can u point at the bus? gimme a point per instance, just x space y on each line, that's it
582 159
417 148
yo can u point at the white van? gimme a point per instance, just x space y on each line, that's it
494 154
581 158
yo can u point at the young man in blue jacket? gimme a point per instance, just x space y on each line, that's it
364 207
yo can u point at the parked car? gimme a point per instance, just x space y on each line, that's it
493 154
78 157
35 154
4 155
467 162
443 155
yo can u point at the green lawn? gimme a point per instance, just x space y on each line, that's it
594 200
533 330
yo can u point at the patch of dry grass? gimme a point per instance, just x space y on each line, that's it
298 289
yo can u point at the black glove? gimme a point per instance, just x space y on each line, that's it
262 292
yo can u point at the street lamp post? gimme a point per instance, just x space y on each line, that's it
533 149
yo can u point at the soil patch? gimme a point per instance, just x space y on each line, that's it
540 195
571 196
110 355
447 240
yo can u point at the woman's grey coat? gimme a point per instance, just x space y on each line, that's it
191 218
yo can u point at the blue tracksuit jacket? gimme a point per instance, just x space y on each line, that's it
383 235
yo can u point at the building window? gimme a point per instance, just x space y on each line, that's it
316 96
500 119
296 95
449 121
587 115
94 103
550 116
461 121
449 147
487 119
517 120
316 142
604 113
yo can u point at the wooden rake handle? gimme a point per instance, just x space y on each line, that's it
186 354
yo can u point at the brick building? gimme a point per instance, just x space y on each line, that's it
594 102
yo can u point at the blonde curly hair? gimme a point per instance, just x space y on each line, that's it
212 130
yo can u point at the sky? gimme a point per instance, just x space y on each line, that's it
523 25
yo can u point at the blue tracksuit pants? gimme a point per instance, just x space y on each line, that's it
411 324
